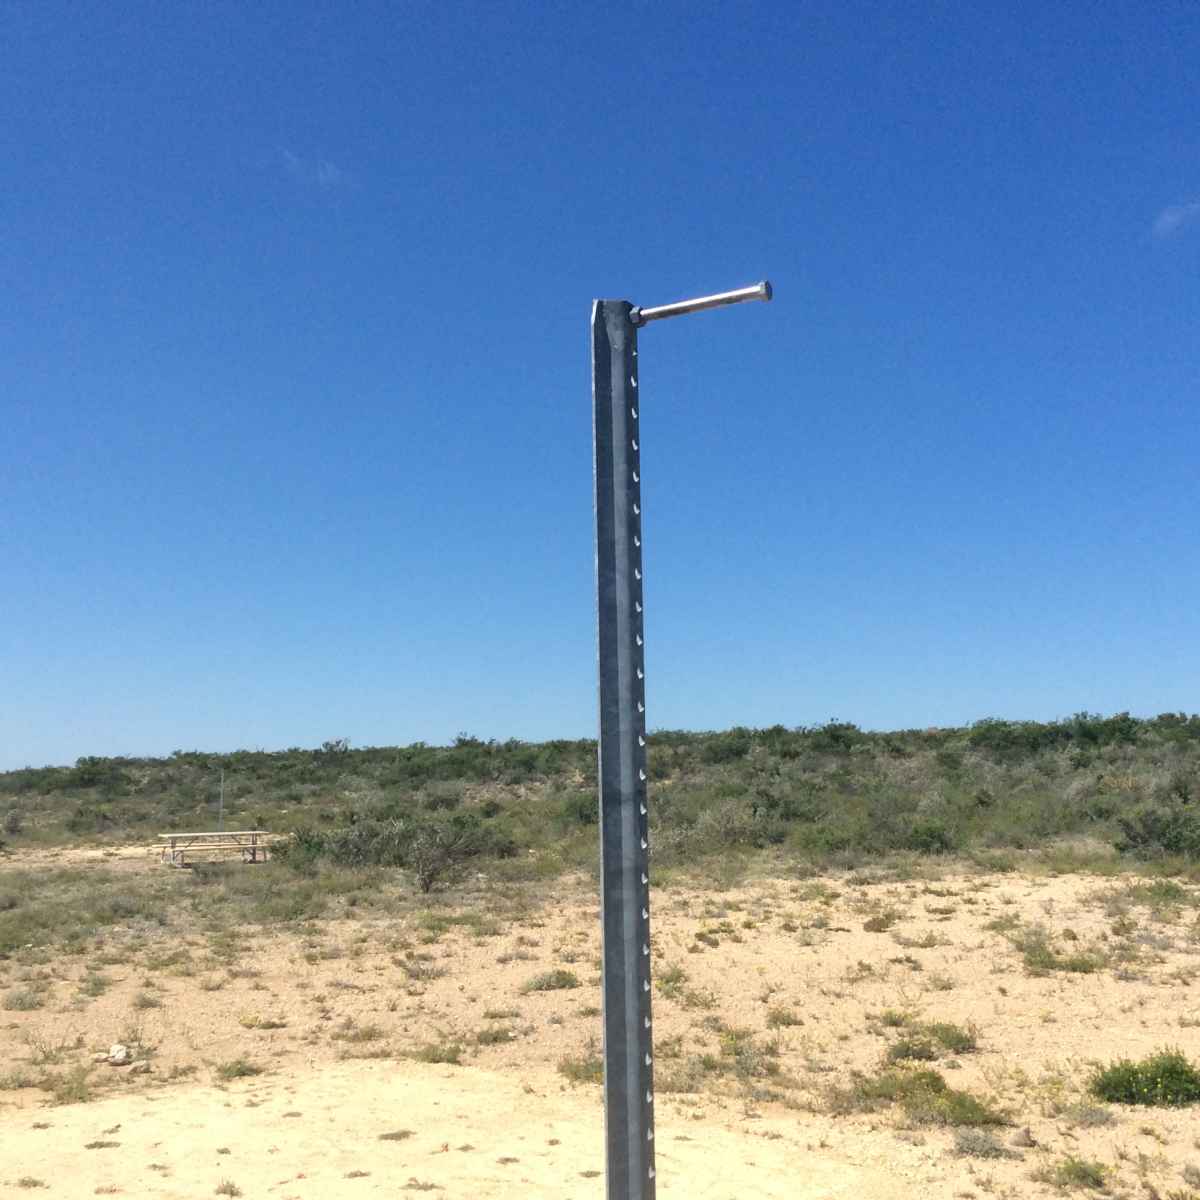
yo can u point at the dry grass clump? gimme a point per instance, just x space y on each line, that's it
238 1068
587 1067
24 999
1073 1173
931 1040
781 1017
350 1031
978 1143
552 981
1041 956
449 1052
924 1095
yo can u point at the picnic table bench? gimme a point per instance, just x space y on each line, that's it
251 844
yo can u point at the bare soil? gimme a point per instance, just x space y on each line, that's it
771 996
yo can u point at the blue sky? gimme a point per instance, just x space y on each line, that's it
294 306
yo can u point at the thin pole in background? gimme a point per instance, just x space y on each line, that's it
624 848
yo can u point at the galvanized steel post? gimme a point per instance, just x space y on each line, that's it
624 865
624 834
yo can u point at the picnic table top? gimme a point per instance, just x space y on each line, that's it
225 834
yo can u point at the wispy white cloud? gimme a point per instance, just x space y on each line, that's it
1172 219
313 172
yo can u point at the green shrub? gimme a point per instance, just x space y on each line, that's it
925 1097
435 846
1157 830
978 1143
238 1068
552 981
439 1052
925 1042
583 1068
1166 1079
913 1048
24 999
727 747
579 808
1041 957
1075 1172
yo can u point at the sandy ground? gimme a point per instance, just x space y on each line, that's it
340 1015
318 1135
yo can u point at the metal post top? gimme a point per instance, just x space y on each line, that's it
757 291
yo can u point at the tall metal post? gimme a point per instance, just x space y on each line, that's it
624 835
624 863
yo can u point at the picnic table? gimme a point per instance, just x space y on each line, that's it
251 844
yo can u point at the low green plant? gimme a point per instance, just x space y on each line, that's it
925 1041
781 1017
24 999
494 1035
923 1094
583 1068
439 1052
552 981
14 1080
978 1143
881 921
1041 956
350 1031
670 981
1074 1172
238 1068
68 1087
1166 1079
95 983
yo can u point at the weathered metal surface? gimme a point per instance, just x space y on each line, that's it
624 834
628 1041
